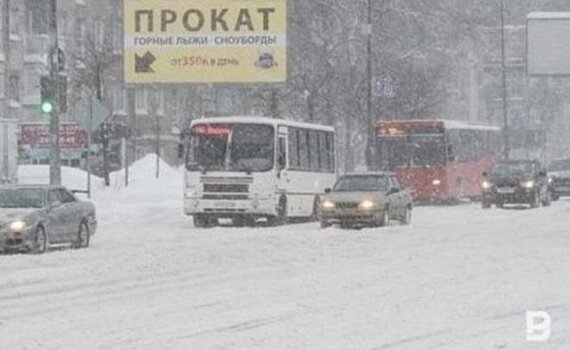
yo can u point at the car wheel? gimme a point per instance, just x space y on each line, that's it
83 236
407 216
535 200
40 241
385 218
325 223
281 217
546 201
316 209
201 221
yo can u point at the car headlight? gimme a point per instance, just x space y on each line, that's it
550 180
527 184
17 226
436 182
366 205
328 204
486 185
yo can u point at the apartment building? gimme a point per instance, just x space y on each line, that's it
90 35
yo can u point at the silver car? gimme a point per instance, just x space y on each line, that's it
34 217
366 199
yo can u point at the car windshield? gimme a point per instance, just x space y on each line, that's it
560 165
361 183
21 198
231 147
513 169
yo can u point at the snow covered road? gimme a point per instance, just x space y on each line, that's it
458 278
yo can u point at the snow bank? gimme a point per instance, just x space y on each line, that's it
73 178
145 195
142 175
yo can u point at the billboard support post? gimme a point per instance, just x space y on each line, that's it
504 86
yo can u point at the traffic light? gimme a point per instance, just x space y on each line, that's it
48 94
47 102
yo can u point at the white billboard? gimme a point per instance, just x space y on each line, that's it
548 43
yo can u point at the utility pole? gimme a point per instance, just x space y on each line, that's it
6 49
54 64
504 86
131 131
153 94
88 158
370 147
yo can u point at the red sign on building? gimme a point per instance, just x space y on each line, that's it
37 135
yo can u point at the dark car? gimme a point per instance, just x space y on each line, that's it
515 182
559 178
34 217
371 199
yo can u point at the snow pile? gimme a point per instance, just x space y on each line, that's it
142 175
141 200
72 178
146 197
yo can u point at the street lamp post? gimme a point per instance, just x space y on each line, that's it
504 86
55 156
370 151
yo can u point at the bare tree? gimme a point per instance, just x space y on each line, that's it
96 61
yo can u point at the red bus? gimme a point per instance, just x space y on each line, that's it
440 160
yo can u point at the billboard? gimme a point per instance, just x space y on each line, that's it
205 41
37 135
548 43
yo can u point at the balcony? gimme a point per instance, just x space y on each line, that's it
37 47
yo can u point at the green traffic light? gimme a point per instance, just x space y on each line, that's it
47 107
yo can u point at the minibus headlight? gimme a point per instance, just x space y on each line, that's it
528 184
367 205
328 204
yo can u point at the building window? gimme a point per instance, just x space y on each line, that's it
37 22
117 39
31 83
61 23
14 91
15 23
160 102
1 85
118 99
141 103
80 39
99 34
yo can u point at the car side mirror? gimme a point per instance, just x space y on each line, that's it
485 174
54 204
393 190
328 190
